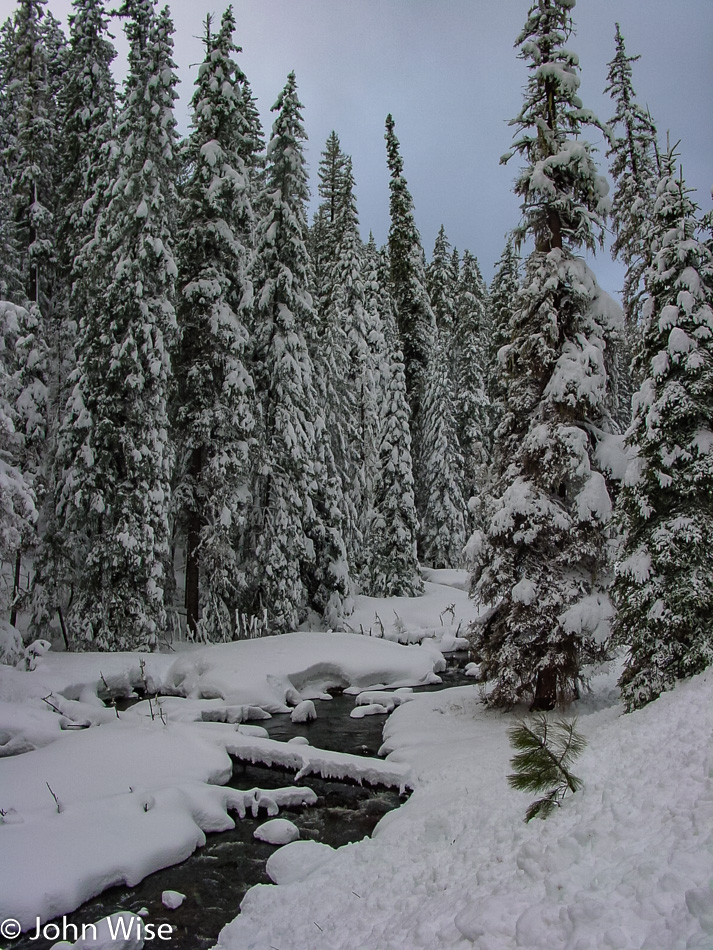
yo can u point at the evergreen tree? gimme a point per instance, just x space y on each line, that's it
633 168
543 562
441 281
23 411
443 524
394 563
215 419
472 418
633 157
285 568
501 300
355 389
86 103
662 588
30 146
414 315
114 447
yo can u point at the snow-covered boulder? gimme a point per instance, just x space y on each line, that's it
297 860
277 831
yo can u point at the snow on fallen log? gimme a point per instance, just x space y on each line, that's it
306 760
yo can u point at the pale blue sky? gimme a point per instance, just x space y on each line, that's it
448 72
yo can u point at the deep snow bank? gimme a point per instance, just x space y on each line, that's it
626 863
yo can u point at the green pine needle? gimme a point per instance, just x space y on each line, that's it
545 751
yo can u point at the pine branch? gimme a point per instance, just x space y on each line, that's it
542 762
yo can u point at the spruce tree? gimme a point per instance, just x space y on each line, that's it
542 566
283 508
23 411
501 300
441 281
663 579
355 390
414 315
215 418
394 570
87 106
634 169
116 454
633 158
443 525
471 409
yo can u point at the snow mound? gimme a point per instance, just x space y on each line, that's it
277 831
172 899
304 711
296 861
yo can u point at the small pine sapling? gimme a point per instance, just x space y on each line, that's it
545 751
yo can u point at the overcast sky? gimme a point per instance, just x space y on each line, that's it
448 72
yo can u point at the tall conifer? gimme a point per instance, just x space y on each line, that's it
543 564
663 580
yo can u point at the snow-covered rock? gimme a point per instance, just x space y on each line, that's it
304 711
172 899
297 860
277 831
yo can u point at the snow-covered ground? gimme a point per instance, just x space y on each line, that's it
625 863
90 797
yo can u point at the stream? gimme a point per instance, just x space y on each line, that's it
216 877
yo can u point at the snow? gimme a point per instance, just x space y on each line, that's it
442 614
296 861
172 899
277 831
307 760
625 863
304 711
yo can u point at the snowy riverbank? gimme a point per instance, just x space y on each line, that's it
626 863
93 797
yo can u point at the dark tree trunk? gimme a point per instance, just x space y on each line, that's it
193 537
16 589
545 690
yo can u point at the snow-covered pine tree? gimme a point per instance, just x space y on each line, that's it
633 157
287 570
663 586
355 390
30 142
394 570
441 281
414 314
87 108
471 409
335 529
23 416
87 104
116 454
215 393
542 568
501 300
331 191
443 525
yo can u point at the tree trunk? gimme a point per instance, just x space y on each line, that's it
16 589
545 690
193 537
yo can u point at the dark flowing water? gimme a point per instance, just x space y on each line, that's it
216 876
